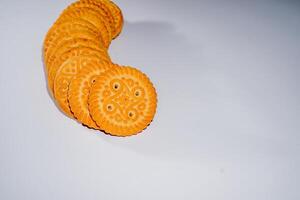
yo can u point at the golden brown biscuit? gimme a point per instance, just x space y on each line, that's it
79 89
77 25
118 18
99 6
66 73
93 17
68 44
67 41
65 57
122 101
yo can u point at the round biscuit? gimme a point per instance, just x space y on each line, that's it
79 89
122 101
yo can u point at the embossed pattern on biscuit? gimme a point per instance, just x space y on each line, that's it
79 91
69 29
65 57
100 7
118 18
93 17
68 44
66 73
122 101
82 79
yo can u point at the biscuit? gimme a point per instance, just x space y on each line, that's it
100 7
66 56
65 42
77 25
79 89
122 101
66 73
118 18
93 17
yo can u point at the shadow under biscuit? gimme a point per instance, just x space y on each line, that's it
152 45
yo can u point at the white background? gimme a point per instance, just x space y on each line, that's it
227 127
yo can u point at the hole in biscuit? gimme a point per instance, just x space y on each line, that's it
110 107
93 79
138 92
116 86
130 114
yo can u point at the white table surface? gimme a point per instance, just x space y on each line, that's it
228 122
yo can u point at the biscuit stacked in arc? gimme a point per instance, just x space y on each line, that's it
84 82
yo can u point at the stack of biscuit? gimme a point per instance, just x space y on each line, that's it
85 84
